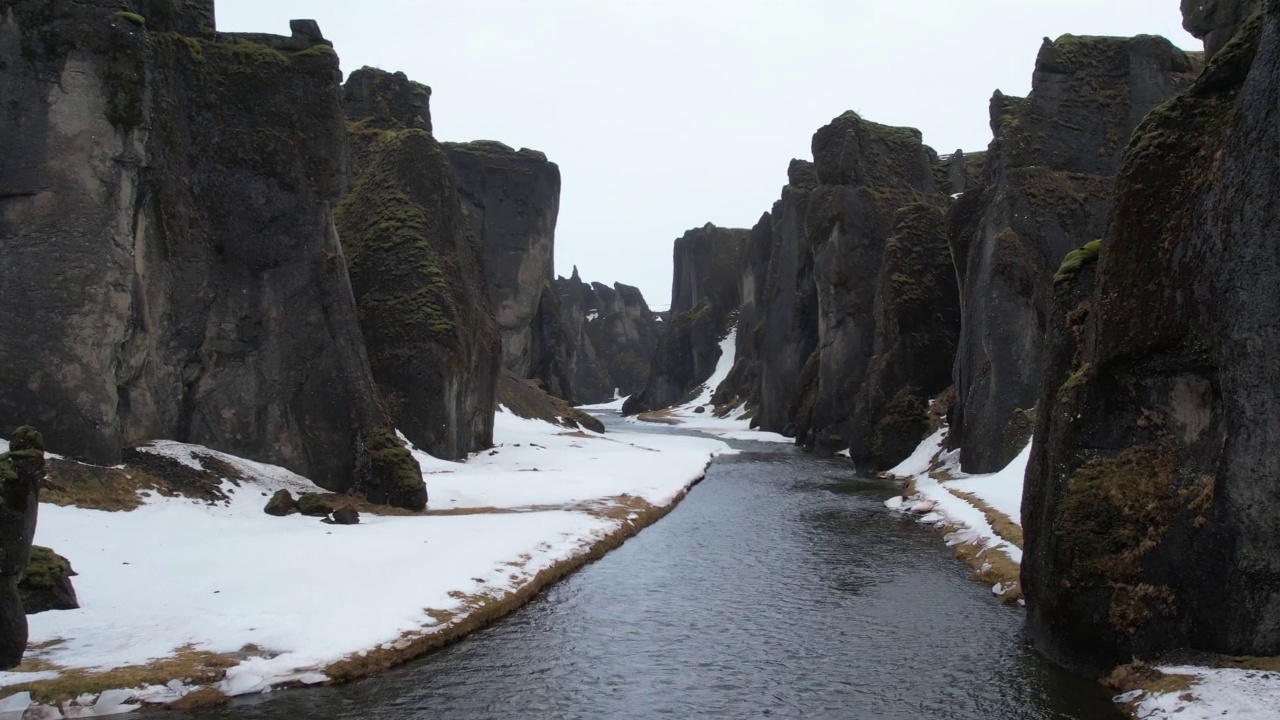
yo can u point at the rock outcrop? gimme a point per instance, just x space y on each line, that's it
513 200
1047 189
704 302
611 337
171 265
21 470
46 583
417 273
866 172
1152 497
1216 21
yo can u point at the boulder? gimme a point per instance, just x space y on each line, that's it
21 471
281 504
346 516
1152 497
316 504
46 583
171 265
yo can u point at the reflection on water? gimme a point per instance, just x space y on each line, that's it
779 588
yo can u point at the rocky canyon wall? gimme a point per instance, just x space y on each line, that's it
1153 492
172 268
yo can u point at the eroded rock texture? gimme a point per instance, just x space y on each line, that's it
172 267
1047 189
1216 21
21 470
704 301
611 334
1152 504
513 200
417 272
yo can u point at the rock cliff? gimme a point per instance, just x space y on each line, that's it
704 303
1047 188
172 268
1152 497
417 272
866 172
513 200
611 333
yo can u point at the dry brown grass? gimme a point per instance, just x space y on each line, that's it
195 667
1138 675
661 417
1004 526
481 610
991 567
203 698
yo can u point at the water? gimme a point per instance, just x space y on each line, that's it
779 588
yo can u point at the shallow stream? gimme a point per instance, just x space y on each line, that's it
779 588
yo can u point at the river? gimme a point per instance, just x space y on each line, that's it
779 588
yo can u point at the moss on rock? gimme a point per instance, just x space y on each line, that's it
46 583
393 476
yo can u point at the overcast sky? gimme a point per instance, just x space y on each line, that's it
667 114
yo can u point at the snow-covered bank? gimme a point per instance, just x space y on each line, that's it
982 510
984 513
1212 694
699 414
290 600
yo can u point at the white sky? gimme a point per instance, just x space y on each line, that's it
667 114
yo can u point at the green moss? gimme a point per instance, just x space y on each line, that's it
45 569
394 464
134 18
245 56
1077 380
1076 260
318 50
902 425
315 504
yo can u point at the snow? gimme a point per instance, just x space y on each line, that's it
1229 693
1237 694
176 573
592 315
734 425
615 404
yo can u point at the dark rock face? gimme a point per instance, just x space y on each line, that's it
1151 503
959 172
704 299
46 583
1216 21
917 325
21 470
418 277
171 266
1047 189
346 516
389 99
866 172
742 386
513 200
612 334
788 328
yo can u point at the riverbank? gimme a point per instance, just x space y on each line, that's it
186 601
699 414
982 517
